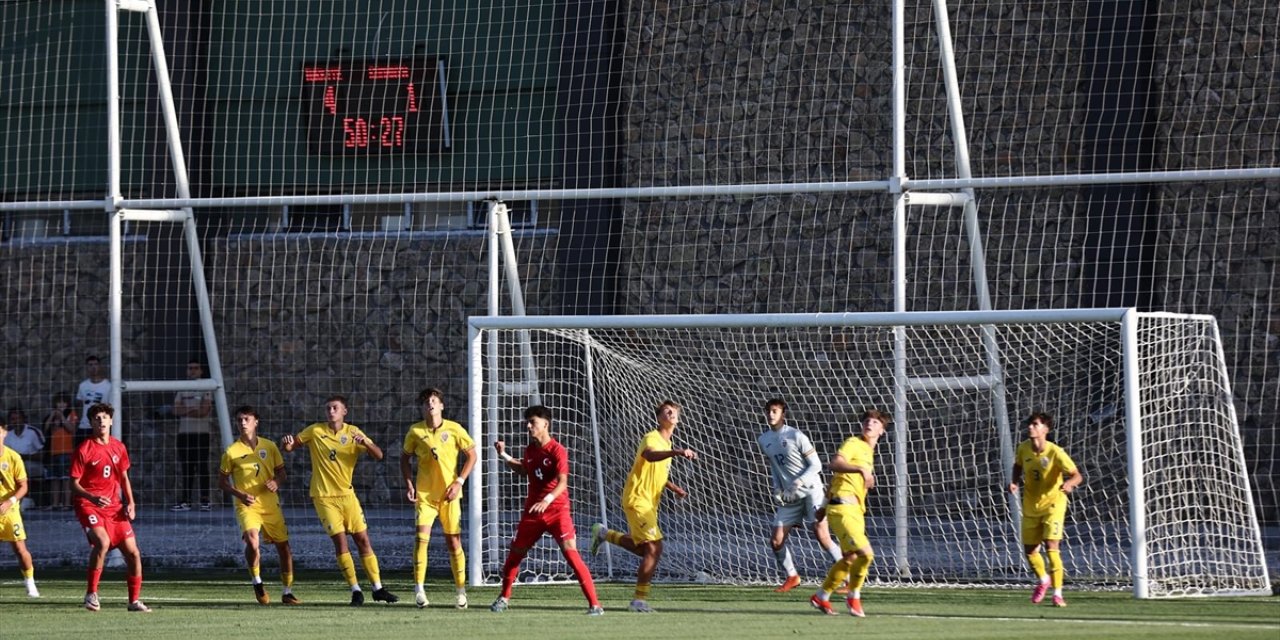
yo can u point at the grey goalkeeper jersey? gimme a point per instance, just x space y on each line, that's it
789 452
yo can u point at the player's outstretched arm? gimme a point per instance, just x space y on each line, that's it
1013 478
289 442
374 450
512 463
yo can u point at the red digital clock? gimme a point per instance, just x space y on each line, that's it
380 106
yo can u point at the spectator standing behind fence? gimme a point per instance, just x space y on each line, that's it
195 440
28 441
93 389
59 428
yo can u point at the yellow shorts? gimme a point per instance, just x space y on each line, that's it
264 516
11 529
642 523
849 525
340 514
1049 526
449 513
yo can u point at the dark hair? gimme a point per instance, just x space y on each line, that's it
1040 416
62 397
100 407
428 393
538 411
776 402
667 403
92 358
338 398
247 410
877 414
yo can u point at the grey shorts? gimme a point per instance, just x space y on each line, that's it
803 510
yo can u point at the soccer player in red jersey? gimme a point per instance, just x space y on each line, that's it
546 508
99 476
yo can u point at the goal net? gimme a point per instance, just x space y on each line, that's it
940 513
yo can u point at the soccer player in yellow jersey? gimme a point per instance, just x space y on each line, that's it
640 497
1048 474
252 470
446 454
846 509
13 487
334 447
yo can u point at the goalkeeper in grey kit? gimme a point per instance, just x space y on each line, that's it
794 474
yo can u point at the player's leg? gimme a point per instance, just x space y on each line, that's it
1053 530
286 573
25 566
12 531
359 529
451 527
569 548
99 542
425 514
859 564
528 531
638 521
650 555
1032 537
782 554
253 560
840 519
128 546
329 511
822 533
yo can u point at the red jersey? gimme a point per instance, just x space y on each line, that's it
543 464
98 466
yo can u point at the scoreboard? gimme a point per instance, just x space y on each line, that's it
375 107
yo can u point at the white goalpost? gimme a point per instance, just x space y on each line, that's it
1141 402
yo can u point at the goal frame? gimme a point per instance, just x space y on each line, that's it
482 395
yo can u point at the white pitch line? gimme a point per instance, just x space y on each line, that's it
1135 623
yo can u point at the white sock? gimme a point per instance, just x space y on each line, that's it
355 588
856 594
377 585
785 563
257 579
835 553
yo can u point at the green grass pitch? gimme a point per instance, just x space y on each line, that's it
196 607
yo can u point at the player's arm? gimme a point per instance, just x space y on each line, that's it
511 463
1013 477
15 497
1074 479
289 442
224 483
562 485
653 455
278 476
455 488
406 474
374 450
130 508
840 464
676 489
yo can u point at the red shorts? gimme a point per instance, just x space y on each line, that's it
558 523
113 520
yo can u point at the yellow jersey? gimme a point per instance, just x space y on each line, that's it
858 453
437 452
647 479
1042 475
333 458
251 467
12 469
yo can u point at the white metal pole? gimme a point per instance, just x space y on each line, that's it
1133 429
1247 490
901 494
595 444
476 493
115 305
516 293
